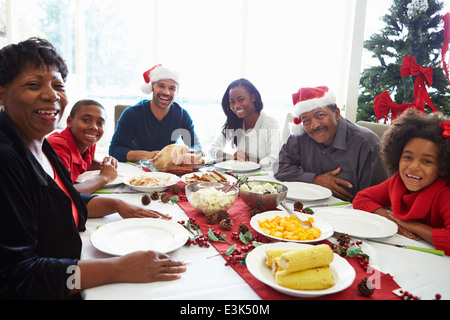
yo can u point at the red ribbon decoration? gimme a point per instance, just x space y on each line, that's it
446 19
446 127
383 104
424 77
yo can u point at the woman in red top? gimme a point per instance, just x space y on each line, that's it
417 149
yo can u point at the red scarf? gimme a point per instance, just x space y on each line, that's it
417 205
63 187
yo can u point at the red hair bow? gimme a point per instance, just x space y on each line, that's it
424 77
383 104
446 127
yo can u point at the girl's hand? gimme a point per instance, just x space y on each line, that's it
404 227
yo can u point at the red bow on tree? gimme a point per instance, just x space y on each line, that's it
383 104
446 19
424 77
446 127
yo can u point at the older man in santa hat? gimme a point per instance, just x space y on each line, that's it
147 127
328 150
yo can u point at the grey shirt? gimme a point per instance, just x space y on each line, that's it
355 150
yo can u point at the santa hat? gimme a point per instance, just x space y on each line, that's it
308 99
158 72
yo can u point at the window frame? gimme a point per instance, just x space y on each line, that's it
352 53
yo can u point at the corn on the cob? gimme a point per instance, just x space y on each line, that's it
303 259
311 279
276 265
274 253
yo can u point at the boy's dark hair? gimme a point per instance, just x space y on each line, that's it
33 52
85 102
414 124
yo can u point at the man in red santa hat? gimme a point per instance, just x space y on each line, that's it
147 127
328 150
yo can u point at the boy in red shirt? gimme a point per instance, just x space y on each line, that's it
76 146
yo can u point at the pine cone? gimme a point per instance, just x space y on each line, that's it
226 224
365 288
222 214
343 238
298 206
146 199
165 197
257 210
154 195
242 228
212 217
176 189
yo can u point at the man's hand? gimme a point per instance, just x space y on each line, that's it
330 181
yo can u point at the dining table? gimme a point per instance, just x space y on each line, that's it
396 272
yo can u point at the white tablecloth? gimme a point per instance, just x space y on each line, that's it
422 274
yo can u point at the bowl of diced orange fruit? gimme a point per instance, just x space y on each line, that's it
282 226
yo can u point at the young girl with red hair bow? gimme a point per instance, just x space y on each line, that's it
417 151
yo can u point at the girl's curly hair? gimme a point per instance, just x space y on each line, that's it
414 124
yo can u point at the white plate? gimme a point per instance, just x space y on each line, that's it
93 173
343 272
172 179
230 179
357 223
238 166
325 228
302 191
129 235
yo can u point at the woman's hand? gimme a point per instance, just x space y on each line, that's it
241 156
136 267
102 206
128 210
149 266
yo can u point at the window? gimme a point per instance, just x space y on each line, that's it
278 45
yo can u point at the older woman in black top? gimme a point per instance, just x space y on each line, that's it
41 212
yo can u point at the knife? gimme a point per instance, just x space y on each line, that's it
433 251
329 204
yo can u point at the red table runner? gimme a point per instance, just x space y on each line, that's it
240 213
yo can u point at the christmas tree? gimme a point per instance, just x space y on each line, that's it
414 28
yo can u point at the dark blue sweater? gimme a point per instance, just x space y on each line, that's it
139 129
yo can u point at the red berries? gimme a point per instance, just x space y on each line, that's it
238 255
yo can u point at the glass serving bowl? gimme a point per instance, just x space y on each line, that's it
263 199
210 197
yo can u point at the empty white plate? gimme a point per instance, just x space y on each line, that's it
302 191
129 235
357 223
238 166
